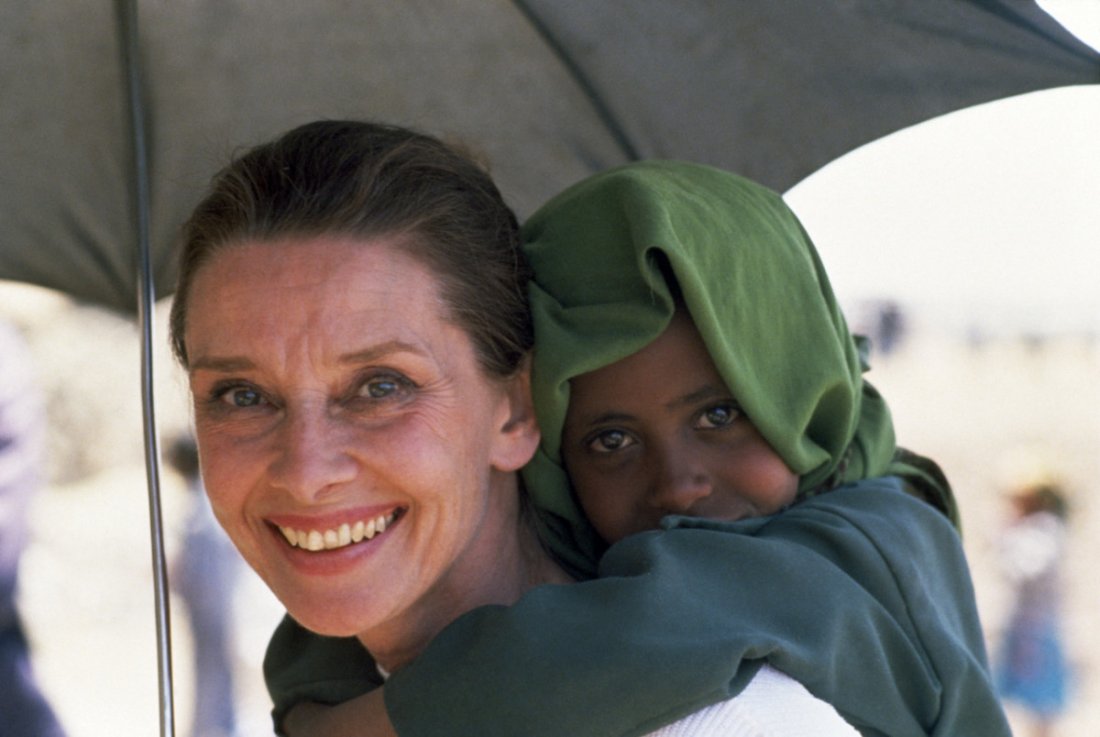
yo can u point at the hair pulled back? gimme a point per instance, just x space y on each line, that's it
369 180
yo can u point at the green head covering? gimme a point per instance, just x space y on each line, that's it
754 285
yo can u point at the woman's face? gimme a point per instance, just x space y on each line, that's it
351 445
658 433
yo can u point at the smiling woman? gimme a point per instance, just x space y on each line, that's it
359 433
324 419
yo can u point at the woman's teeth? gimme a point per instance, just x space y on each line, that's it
346 534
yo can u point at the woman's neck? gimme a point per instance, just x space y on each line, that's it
504 564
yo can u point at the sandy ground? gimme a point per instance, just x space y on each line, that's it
88 599
87 590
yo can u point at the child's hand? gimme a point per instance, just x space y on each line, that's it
363 716
303 720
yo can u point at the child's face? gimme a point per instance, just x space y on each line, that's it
658 433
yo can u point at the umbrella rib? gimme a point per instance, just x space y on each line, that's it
128 36
604 113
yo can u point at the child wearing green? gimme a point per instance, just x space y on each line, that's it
862 593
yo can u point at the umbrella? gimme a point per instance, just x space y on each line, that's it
114 116
548 90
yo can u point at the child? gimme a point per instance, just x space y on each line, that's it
1032 671
862 593
658 433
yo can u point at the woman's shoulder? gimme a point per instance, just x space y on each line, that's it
772 705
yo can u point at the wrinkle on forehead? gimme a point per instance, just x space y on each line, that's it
320 298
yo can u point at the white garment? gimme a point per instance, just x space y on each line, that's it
772 705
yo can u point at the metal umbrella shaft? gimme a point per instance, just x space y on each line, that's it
131 63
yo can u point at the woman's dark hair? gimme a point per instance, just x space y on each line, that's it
369 180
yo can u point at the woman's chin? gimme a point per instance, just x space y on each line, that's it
330 620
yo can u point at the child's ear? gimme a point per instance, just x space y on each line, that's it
518 435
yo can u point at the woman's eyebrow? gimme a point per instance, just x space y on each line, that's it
221 364
231 364
382 350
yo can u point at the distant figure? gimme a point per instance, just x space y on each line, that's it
24 711
204 575
1031 670
889 328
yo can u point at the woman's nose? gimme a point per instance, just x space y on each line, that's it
313 454
681 481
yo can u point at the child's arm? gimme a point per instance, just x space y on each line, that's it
305 671
862 595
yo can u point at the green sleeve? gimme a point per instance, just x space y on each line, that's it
301 666
919 669
861 594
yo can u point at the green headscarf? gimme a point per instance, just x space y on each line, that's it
756 289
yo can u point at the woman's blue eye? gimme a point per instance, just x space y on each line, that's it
243 397
381 387
610 441
718 416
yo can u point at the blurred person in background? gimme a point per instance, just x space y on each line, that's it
24 711
204 574
1031 667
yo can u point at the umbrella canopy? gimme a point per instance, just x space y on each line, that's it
548 90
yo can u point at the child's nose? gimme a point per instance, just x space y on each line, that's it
682 481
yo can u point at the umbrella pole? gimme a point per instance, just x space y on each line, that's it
127 17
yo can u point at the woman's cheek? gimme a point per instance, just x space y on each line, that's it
226 470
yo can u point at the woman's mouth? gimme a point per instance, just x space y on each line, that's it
340 537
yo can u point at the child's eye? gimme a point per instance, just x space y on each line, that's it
718 416
609 441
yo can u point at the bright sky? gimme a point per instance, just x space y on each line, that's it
988 217
1081 17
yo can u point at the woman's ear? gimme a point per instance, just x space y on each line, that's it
518 431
